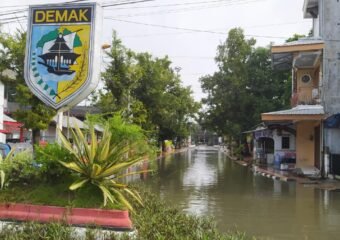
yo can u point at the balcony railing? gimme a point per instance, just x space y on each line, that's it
305 98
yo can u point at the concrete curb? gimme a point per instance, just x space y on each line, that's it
102 218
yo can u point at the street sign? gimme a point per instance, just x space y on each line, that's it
62 64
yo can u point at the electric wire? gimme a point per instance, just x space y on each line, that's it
189 9
171 5
188 29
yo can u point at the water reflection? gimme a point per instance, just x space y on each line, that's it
207 183
200 173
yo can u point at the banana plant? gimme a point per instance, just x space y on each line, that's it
101 164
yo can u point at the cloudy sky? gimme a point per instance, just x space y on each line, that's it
188 31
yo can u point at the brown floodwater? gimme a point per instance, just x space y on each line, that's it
205 182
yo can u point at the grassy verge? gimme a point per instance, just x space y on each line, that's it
156 220
55 194
161 221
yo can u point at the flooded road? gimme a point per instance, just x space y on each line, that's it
205 182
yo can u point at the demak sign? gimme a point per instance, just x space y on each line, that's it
62 64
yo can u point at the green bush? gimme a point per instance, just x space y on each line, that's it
48 157
159 220
19 168
52 231
123 131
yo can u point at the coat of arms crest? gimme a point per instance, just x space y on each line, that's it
60 64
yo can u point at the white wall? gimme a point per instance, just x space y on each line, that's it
2 100
278 141
316 27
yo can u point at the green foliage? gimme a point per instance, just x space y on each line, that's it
244 87
53 231
296 37
126 132
159 220
32 112
19 168
3 163
36 231
155 220
54 193
48 157
147 91
101 164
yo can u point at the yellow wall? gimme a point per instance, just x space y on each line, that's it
305 143
304 90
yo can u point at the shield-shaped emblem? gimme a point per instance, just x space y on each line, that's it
62 53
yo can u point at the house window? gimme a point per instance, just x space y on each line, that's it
285 142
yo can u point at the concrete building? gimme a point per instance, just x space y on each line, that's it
315 65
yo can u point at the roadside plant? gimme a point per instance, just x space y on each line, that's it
2 178
101 164
3 162
48 157
125 131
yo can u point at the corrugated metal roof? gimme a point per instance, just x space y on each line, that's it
300 110
302 41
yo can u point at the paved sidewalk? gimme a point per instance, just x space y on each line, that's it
270 172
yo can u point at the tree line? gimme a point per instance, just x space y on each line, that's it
145 90
244 86
148 91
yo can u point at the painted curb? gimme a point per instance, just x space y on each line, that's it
111 219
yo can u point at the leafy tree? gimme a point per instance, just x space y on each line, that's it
243 87
124 132
148 92
33 113
169 105
296 36
120 79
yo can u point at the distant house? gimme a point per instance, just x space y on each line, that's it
274 145
50 134
315 99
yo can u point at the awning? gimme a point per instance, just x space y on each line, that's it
4 131
333 121
11 125
73 121
307 59
310 8
298 113
303 53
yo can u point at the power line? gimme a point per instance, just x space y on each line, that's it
11 12
186 29
126 3
172 5
188 9
26 5
11 19
188 32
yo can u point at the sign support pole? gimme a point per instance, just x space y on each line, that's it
59 125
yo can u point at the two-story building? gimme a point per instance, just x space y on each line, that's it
315 66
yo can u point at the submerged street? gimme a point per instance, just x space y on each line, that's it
206 182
